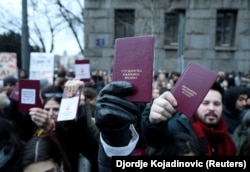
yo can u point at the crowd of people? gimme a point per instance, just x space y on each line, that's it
107 124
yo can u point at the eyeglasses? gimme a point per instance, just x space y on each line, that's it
49 95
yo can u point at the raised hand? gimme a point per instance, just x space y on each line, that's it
162 108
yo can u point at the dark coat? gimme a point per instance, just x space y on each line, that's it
25 126
77 137
230 114
154 134
14 164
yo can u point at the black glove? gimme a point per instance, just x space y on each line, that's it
113 112
112 109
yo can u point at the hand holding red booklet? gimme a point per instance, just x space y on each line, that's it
133 62
82 70
69 106
29 95
192 87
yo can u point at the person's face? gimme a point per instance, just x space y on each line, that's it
43 166
9 88
241 102
52 107
161 77
210 110
22 74
155 93
225 83
92 101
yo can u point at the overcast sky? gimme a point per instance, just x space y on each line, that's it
64 40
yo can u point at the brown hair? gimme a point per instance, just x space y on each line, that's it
90 93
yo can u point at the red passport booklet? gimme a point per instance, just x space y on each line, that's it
192 87
69 106
133 62
29 95
82 70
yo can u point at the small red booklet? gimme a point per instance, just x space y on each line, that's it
192 87
29 95
133 62
69 106
82 70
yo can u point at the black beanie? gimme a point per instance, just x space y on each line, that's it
9 80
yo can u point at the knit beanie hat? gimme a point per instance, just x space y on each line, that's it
9 80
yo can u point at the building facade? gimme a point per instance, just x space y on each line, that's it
214 33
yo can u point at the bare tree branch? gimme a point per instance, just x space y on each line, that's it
72 20
45 22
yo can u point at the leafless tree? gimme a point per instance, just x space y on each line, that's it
46 19
150 5
75 20
9 21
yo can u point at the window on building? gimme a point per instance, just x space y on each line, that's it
124 23
225 28
172 21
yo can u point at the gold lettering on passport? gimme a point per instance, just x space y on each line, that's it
131 74
188 91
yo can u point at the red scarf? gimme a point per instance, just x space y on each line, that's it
218 137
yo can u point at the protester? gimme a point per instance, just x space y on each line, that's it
162 120
46 122
45 117
89 107
117 118
51 91
87 100
159 79
23 74
28 123
242 131
78 136
23 122
247 107
155 93
90 95
96 82
10 147
174 77
60 81
235 101
61 72
44 153
9 84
